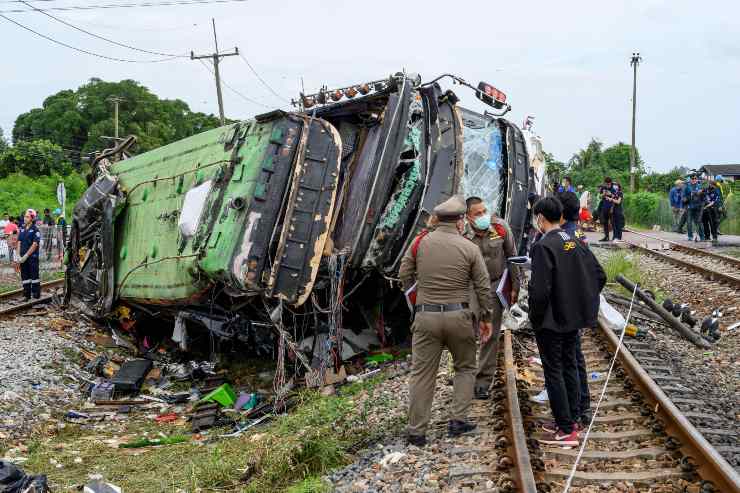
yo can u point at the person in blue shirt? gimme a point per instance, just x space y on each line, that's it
675 197
709 215
694 202
567 185
606 191
29 240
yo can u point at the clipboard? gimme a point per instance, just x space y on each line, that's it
503 291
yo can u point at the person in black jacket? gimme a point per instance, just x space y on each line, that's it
563 298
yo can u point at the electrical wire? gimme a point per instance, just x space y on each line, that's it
41 11
269 88
61 43
248 99
124 5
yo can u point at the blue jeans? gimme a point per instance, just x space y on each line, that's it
694 217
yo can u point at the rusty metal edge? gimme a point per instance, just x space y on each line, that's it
712 275
710 464
46 284
23 306
524 475
697 251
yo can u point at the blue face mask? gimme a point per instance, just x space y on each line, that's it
482 223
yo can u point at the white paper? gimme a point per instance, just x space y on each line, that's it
500 290
408 294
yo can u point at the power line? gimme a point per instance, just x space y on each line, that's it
123 5
269 88
100 37
246 98
61 43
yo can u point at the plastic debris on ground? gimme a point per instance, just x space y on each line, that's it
131 375
154 442
223 395
609 317
14 480
97 485
379 358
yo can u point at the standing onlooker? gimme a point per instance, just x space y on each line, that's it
675 198
563 298
692 199
10 233
444 265
48 225
584 199
62 233
493 236
605 206
567 185
617 211
709 216
29 240
724 192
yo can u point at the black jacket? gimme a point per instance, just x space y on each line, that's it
565 284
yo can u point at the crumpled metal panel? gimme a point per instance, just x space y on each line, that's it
309 209
393 224
90 273
517 180
485 168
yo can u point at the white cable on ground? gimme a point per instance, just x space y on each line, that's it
601 397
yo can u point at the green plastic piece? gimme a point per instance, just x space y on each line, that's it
146 442
153 253
224 395
145 195
124 252
379 358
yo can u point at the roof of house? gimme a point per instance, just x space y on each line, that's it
721 169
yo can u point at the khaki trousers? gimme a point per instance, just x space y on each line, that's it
432 332
489 351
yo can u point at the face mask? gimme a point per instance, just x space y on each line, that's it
482 223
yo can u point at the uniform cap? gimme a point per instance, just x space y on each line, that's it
451 208
32 213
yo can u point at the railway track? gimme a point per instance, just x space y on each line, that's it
642 438
710 265
12 302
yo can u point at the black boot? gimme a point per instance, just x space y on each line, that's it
457 428
482 393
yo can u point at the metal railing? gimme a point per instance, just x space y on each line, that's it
51 249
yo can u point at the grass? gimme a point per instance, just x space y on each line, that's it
627 264
291 454
45 276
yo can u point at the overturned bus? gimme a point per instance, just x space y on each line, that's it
289 228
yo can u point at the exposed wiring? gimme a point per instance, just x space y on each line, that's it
147 264
193 170
61 43
41 11
246 98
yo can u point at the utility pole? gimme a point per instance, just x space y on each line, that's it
216 60
635 61
115 100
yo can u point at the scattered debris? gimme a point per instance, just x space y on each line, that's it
154 442
131 375
14 480
97 485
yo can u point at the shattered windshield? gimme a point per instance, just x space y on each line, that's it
483 144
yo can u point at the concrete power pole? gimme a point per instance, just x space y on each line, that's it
216 57
635 61
115 100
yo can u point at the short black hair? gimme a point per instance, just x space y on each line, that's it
607 180
569 179
472 200
571 205
550 207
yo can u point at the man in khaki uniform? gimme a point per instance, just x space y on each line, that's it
444 264
493 236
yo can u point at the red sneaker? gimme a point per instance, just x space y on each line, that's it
550 426
561 439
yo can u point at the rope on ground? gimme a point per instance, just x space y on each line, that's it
601 397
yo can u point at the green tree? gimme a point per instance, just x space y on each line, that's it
554 169
34 158
660 182
3 142
78 119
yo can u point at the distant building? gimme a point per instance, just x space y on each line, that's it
730 172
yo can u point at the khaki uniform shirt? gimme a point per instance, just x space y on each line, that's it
495 250
444 267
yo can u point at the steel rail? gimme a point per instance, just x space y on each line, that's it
710 465
695 251
712 275
28 304
524 477
15 292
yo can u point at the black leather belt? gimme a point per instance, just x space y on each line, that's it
451 307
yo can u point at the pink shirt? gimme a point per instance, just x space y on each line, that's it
10 228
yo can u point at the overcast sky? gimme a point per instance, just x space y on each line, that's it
566 63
